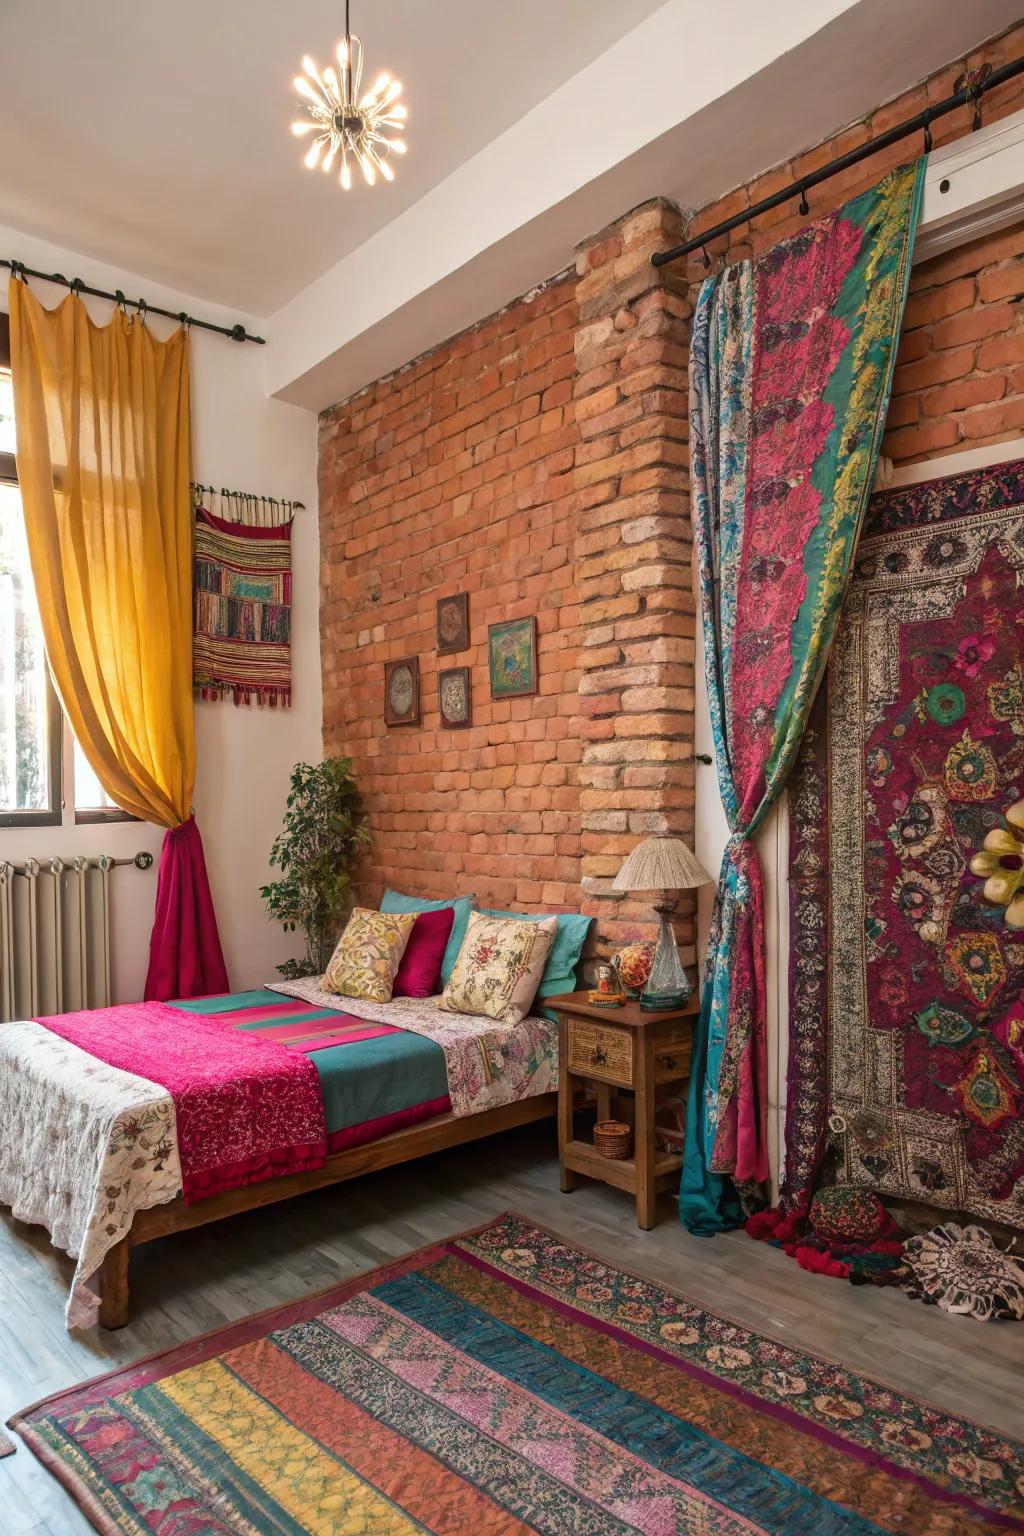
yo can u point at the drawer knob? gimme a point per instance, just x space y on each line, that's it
669 1063
599 1056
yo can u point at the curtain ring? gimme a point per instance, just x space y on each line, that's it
804 205
76 285
120 300
143 309
927 138
705 258
18 271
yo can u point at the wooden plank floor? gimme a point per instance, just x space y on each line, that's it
197 1281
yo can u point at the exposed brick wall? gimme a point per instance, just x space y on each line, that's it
960 367
539 462
456 474
633 560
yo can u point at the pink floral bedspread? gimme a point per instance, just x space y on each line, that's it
247 1108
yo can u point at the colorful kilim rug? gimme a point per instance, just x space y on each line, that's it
242 620
505 1382
914 754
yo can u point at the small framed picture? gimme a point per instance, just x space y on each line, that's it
453 624
512 658
402 691
454 698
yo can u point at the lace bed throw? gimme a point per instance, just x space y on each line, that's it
488 1064
83 1146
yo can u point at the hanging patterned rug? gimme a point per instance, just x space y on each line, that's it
506 1382
243 593
907 961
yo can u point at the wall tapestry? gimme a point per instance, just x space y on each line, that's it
914 756
243 595
790 370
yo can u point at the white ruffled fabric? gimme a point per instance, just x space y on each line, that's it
83 1146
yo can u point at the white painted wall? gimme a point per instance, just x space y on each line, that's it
243 439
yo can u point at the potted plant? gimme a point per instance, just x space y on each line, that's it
325 828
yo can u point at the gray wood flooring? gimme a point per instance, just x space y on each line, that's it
197 1281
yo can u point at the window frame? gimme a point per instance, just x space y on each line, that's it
53 814
8 463
100 815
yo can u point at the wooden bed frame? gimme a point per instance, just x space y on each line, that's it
399 1147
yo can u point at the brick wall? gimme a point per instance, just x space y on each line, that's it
539 462
536 462
633 561
960 371
456 475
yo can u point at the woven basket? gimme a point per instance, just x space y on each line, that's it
613 1139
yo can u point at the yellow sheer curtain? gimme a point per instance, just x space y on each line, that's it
102 418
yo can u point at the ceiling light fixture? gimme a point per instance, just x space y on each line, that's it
356 128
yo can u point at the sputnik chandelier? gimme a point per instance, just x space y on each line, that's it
359 129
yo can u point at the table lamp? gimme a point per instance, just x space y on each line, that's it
663 864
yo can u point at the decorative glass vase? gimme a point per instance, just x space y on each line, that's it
668 985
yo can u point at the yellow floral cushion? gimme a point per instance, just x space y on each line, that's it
499 967
368 955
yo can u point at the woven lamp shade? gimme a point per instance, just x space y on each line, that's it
661 864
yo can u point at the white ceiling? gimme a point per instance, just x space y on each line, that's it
154 140
155 137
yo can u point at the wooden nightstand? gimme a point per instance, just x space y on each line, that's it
620 1049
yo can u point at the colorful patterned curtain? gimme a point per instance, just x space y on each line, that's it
790 372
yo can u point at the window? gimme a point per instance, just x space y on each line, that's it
31 722
92 803
30 734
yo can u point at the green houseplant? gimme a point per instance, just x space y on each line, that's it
325 827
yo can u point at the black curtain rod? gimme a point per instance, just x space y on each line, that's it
975 85
233 332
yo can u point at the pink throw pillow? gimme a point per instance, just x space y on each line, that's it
419 974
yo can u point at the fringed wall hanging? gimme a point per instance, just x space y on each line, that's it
243 595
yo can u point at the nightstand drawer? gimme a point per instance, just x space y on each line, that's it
596 1050
672 1061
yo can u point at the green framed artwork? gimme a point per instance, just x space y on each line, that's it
512 658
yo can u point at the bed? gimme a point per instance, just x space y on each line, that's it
127 1124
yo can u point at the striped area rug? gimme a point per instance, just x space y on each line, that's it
505 1382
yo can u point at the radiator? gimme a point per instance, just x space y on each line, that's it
55 934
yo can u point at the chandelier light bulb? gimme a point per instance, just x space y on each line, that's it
348 126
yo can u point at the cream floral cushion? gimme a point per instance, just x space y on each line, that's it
499 967
368 955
